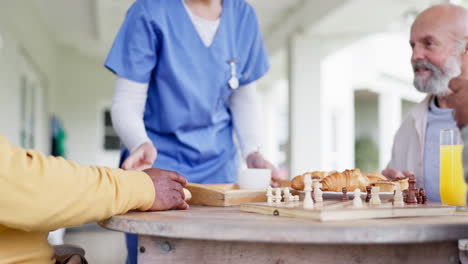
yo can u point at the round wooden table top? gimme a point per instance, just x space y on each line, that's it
229 224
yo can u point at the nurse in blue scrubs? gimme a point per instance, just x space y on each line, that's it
161 49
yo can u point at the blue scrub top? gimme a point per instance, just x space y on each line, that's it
187 115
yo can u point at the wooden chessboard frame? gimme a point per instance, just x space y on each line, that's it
223 194
339 210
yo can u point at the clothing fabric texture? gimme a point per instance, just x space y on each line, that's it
75 195
128 106
437 119
187 114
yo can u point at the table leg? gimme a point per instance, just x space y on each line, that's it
168 250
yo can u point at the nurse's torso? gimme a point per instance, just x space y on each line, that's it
187 115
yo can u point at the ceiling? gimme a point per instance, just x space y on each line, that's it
91 25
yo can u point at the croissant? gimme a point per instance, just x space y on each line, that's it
351 179
298 181
375 176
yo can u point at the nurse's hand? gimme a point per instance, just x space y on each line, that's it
256 160
142 158
169 190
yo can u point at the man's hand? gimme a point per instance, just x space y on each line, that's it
458 100
142 158
394 175
256 160
169 190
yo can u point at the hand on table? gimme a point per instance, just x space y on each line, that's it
142 158
256 160
458 100
393 174
168 186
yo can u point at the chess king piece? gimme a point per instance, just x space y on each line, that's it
398 196
278 196
308 203
357 202
269 195
369 195
375 199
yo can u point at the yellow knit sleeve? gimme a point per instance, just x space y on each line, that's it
39 193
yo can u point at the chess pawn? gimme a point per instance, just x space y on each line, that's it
419 198
375 199
423 196
357 202
269 195
398 197
278 196
318 193
308 203
344 197
287 195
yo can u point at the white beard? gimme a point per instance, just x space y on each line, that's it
437 82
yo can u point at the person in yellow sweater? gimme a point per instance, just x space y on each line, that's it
39 194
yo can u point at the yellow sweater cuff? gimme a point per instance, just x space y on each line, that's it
139 188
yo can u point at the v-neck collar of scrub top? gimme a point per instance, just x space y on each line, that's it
193 31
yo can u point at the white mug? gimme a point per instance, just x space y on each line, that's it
253 178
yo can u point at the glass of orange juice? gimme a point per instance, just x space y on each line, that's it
452 181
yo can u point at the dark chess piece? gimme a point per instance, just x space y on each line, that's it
422 193
369 195
412 191
344 197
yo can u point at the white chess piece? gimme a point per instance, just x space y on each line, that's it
398 197
287 195
357 201
308 203
278 196
296 200
318 193
269 195
375 199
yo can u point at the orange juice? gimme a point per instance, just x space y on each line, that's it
452 182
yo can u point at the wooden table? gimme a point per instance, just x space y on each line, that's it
226 235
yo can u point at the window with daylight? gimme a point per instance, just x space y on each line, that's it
111 139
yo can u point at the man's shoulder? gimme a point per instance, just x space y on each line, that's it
416 113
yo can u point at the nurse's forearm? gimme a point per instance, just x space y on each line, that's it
244 109
128 107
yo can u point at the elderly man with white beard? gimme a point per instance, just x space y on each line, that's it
437 41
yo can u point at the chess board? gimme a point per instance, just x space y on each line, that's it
339 210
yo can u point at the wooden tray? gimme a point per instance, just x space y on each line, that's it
338 210
223 194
